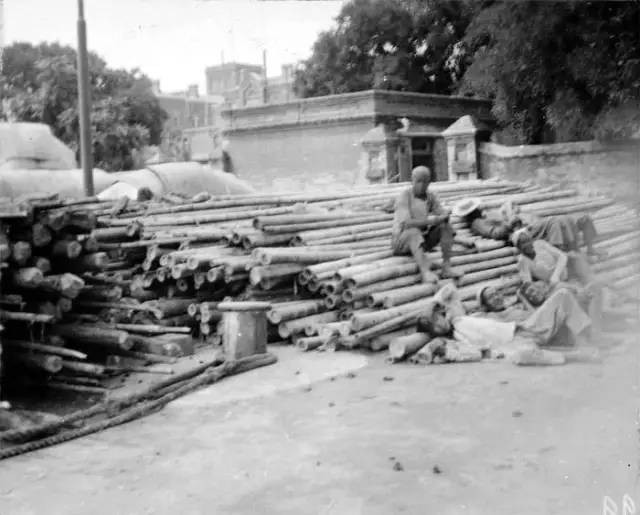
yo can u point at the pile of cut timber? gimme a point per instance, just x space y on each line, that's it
58 284
107 279
324 261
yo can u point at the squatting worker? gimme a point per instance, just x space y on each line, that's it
420 223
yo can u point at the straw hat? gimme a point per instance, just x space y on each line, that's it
466 206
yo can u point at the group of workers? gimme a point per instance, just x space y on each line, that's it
558 306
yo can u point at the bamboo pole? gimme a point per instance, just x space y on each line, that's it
93 335
286 329
44 348
350 295
374 276
278 314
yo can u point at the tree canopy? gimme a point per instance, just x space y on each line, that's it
404 45
555 71
39 84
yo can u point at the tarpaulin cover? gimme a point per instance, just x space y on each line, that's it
33 145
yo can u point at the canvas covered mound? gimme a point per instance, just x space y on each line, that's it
33 146
183 178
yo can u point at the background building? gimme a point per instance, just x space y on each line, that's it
244 85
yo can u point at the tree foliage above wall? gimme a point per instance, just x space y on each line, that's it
556 71
387 44
39 84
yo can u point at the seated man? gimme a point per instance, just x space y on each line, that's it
498 332
420 223
541 261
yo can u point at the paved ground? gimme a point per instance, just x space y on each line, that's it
341 434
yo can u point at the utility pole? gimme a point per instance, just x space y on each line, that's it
1 31
265 94
84 103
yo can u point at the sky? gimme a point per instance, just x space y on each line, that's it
175 40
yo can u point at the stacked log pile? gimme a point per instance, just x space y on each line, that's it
325 264
92 288
63 288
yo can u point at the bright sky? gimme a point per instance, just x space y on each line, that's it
175 40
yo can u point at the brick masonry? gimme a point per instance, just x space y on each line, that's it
316 142
590 167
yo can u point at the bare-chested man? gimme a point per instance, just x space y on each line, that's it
420 223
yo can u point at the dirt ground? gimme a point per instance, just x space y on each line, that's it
346 434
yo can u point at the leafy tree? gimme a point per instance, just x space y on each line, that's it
404 45
39 84
557 71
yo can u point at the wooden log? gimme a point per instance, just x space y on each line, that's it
382 341
94 335
86 369
260 239
110 234
44 348
40 235
42 263
286 329
243 306
347 220
279 313
396 322
485 275
28 278
34 361
404 346
350 295
164 308
349 230
348 272
151 329
399 296
268 256
261 273
95 261
66 249
19 316
101 293
309 343
365 235
374 276
361 321
153 345
21 252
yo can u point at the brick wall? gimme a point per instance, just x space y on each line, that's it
299 158
590 167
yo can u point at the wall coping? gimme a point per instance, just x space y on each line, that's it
343 98
554 149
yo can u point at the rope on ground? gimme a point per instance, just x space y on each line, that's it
110 407
207 376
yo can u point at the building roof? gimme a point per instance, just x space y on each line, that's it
467 124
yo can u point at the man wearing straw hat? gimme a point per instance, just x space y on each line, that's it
561 231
